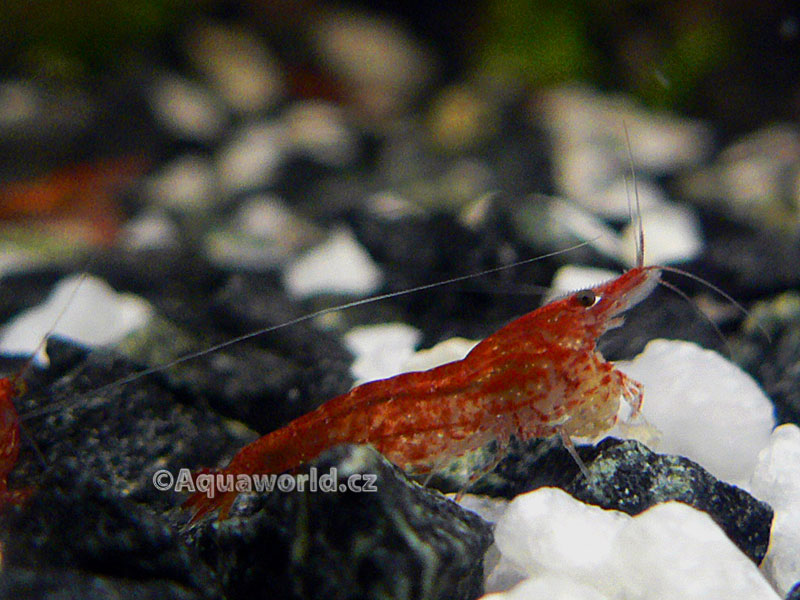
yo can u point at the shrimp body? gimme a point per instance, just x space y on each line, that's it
9 443
538 376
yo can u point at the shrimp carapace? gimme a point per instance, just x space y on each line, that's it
540 375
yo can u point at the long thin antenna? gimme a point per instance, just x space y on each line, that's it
717 290
696 309
29 362
26 366
638 221
247 336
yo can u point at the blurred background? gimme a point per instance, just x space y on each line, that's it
234 136
85 82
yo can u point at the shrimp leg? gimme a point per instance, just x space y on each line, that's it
567 441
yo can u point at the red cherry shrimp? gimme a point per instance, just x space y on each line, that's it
539 376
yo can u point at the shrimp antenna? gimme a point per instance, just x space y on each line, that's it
307 317
513 289
697 310
28 364
638 219
718 291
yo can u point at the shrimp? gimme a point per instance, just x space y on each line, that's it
10 387
540 375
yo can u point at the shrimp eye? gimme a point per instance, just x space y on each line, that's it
587 298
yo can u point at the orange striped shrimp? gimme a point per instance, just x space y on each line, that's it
540 375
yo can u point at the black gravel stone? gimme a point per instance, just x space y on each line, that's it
77 529
62 584
749 264
662 315
401 541
319 360
420 250
121 434
794 593
627 476
20 291
264 381
768 348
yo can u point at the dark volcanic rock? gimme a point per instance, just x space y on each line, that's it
28 584
402 541
122 434
317 363
419 250
627 476
75 525
750 263
769 349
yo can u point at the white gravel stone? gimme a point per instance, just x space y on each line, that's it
187 183
186 109
705 407
442 353
318 129
776 478
548 531
94 315
488 508
340 265
569 222
263 233
573 278
269 217
781 565
618 199
669 551
776 481
583 171
251 157
150 231
675 551
660 142
384 66
391 206
20 103
756 179
380 350
387 349
550 587
238 65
